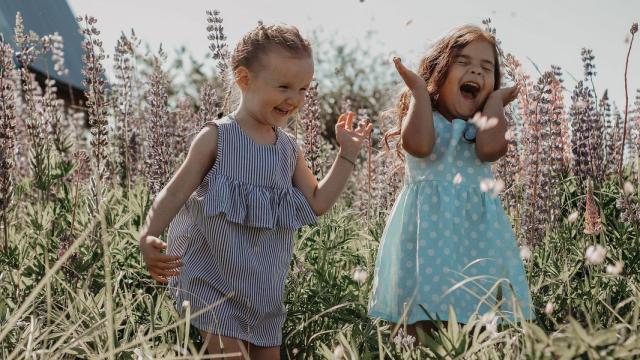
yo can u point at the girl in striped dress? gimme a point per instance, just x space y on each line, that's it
240 195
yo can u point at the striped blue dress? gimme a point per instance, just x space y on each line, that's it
235 236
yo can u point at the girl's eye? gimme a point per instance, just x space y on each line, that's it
487 69
284 87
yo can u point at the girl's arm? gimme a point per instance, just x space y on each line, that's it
491 144
417 131
171 198
321 196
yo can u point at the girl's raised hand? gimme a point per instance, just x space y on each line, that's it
414 82
507 94
350 139
161 266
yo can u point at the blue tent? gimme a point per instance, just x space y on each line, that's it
44 18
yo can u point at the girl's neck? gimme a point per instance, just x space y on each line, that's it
260 132
447 115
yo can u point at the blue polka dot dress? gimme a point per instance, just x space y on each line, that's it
446 242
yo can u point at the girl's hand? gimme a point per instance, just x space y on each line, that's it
350 139
413 81
506 95
160 266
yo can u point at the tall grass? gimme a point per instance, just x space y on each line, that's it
73 284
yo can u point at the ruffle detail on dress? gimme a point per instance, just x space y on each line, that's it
257 206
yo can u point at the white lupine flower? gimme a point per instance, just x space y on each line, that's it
628 188
595 254
525 253
338 352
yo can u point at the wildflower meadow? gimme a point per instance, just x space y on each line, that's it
77 179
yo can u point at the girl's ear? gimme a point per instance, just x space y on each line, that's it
242 77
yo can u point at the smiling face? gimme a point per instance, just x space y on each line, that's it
275 88
469 82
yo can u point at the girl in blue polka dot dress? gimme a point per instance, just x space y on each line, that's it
448 242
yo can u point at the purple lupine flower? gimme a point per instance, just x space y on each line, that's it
94 83
7 133
592 223
156 148
537 171
312 129
586 134
220 51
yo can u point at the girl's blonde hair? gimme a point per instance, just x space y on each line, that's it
434 67
263 38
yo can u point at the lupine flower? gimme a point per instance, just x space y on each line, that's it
7 125
156 149
185 126
208 104
404 340
94 83
595 254
338 352
587 148
220 52
592 223
55 45
310 116
123 67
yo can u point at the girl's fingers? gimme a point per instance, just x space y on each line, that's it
164 258
167 273
349 124
404 73
342 119
167 265
158 278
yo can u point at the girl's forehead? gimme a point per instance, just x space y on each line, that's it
288 68
477 49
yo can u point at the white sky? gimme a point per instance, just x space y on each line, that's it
545 31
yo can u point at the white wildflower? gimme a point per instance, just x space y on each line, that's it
628 188
360 276
525 253
338 352
483 122
550 308
572 217
595 254
615 269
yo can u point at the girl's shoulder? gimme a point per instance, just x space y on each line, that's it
288 139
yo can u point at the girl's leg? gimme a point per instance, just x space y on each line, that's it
217 344
264 353
427 326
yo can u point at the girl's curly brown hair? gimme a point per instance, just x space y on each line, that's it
434 68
